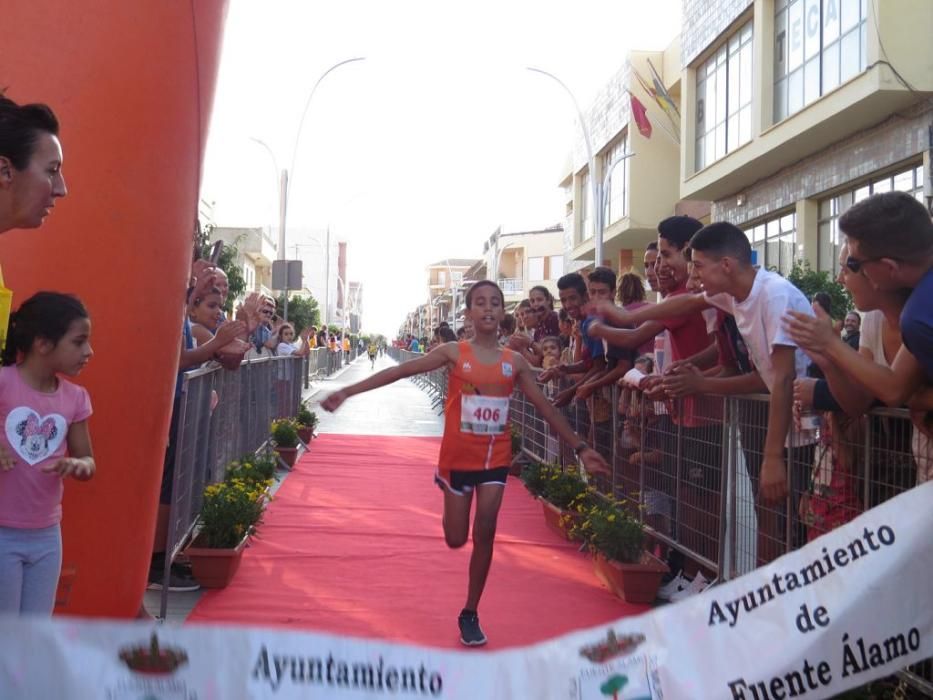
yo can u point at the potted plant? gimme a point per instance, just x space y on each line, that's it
562 495
285 438
307 420
254 469
229 512
616 540
533 476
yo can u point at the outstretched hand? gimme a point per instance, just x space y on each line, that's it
229 331
593 462
812 333
334 401
248 311
684 381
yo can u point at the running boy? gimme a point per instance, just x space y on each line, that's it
476 447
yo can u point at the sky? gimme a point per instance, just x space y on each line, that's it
421 151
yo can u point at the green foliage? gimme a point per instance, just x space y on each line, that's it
613 685
303 312
253 468
606 528
534 475
563 488
306 417
229 510
227 263
516 440
810 281
284 432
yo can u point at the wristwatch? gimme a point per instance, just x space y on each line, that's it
579 448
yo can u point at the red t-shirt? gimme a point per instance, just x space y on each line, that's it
689 336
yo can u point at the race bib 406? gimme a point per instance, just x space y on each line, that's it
483 415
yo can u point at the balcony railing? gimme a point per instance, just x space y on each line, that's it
511 285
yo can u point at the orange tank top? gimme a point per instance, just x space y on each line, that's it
476 423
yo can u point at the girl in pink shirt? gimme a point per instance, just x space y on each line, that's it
46 437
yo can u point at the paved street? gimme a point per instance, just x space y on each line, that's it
399 409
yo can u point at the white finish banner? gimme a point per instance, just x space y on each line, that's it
850 607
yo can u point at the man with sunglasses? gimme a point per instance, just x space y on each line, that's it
890 241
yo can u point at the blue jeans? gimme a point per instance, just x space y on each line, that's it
30 564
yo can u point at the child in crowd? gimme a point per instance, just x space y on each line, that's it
550 346
205 312
287 345
506 328
47 440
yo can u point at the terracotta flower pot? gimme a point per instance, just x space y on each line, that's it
288 455
634 583
214 568
558 520
306 434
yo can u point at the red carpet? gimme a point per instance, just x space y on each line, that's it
352 544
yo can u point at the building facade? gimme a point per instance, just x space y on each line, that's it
796 109
256 249
520 260
637 170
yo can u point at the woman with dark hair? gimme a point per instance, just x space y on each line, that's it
30 164
30 179
542 304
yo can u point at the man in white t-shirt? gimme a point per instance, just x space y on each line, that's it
758 299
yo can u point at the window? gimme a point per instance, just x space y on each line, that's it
586 230
774 242
616 204
441 278
536 269
828 238
556 264
724 99
818 45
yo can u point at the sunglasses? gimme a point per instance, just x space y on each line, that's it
855 265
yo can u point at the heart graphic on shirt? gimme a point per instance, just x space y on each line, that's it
34 437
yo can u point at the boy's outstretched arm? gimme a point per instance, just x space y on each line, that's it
437 358
591 459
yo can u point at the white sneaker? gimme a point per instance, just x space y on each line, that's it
697 585
675 585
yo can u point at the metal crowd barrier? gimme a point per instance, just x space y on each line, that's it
207 439
689 470
433 383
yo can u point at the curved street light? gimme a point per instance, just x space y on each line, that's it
595 186
304 112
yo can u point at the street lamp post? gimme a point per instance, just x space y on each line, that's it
284 182
595 185
301 123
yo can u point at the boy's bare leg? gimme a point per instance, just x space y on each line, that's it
456 518
488 501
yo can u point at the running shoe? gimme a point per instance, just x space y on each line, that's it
675 585
699 584
179 580
471 634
